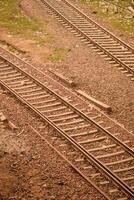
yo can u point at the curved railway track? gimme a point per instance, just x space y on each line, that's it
98 154
94 35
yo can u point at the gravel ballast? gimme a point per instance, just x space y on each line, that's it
29 168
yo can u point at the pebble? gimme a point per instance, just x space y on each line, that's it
52 197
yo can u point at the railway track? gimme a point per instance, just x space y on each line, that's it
108 45
96 150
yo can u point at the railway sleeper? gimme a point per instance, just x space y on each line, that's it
84 133
44 102
38 95
124 169
3 65
24 87
5 73
49 105
118 162
110 154
30 91
11 79
10 75
77 121
5 69
72 117
130 178
20 83
93 140
61 114
102 148
78 127
62 108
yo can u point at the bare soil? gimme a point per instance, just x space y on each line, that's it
29 169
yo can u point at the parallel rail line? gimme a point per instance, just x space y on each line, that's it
94 35
102 157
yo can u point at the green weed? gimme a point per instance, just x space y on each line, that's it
12 18
58 55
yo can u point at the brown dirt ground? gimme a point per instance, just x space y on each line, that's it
31 173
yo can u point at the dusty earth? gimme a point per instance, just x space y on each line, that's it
29 169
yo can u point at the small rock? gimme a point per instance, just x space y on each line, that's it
30 158
94 12
44 185
13 198
52 197
2 117
76 45
23 83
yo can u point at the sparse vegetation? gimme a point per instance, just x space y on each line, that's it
12 18
58 55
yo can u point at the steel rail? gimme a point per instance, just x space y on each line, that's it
77 146
98 25
130 151
112 56
69 162
41 72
